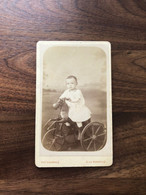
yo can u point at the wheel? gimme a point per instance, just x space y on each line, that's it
48 125
53 139
93 136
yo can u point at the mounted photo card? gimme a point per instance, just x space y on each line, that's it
73 104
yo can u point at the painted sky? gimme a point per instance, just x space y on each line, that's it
88 64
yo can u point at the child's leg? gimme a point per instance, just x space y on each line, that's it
79 124
86 122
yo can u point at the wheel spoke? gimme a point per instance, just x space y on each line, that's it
51 145
87 139
47 139
46 144
58 143
48 133
101 134
89 144
94 145
97 130
60 136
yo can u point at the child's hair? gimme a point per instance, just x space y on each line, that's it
71 76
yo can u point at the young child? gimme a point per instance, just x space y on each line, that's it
78 111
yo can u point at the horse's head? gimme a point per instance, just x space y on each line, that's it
59 104
63 107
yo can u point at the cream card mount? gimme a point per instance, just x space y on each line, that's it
73 104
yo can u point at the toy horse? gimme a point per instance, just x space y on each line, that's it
63 109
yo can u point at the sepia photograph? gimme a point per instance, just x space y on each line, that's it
73 98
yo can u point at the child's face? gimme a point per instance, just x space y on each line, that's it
71 83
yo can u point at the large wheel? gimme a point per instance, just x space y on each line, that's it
53 139
93 136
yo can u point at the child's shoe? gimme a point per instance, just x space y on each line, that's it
67 124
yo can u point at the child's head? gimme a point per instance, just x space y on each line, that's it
71 82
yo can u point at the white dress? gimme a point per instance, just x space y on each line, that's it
78 112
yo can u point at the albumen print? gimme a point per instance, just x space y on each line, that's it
73 117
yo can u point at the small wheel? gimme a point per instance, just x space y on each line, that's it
93 137
53 139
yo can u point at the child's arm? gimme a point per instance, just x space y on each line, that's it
74 101
78 98
70 101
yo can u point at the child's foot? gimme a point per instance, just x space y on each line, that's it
67 124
